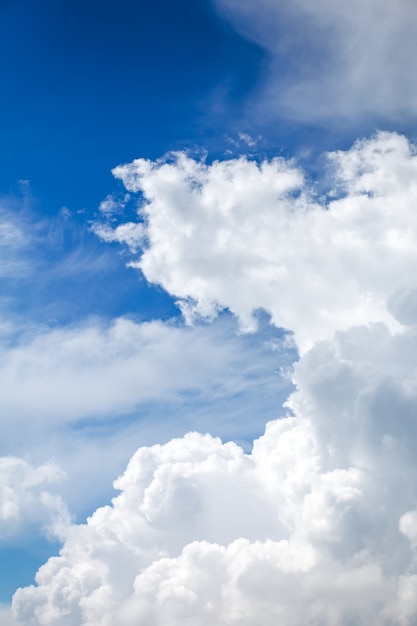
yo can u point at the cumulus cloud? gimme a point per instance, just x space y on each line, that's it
334 59
26 498
112 204
243 235
89 394
316 525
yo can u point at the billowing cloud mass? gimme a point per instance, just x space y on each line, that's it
331 58
318 524
60 377
244 235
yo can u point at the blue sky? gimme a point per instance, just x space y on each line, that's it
89 86
207 224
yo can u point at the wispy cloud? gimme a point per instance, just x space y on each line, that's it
14 242
318 523
329 59
95 371
6 616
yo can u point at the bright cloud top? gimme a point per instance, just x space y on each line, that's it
331 58
244 235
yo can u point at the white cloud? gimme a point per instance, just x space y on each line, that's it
329 58
244 235
98 371
26 498
6 617
90 394
14 241
130 233
316 525
112 204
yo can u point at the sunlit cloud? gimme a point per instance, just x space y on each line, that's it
317 523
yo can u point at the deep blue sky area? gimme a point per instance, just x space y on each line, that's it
87 85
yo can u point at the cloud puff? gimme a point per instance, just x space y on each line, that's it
26 498
317 525
333 59
243 235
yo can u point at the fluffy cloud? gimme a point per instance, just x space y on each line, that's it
332 58
243 235
26 498
317 525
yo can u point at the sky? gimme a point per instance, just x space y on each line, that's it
208 313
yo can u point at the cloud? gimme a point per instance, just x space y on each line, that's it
6 616
316 525
88 395
99 371
112 204
77 392
244 235
332 59
26 498
14 241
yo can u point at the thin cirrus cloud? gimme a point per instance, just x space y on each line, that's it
330 59
318 523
